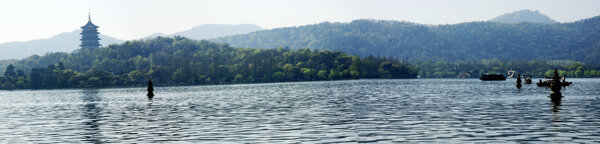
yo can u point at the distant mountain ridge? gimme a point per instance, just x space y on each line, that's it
523 16
209 31
69 41
63 42
471 41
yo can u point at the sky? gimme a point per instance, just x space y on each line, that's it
23 20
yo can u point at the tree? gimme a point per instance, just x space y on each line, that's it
333 74
279 76
35 78
136 77
322 74
309 74
178 76
20 73
61 66
10 72
238 78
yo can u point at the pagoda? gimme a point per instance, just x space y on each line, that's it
89 35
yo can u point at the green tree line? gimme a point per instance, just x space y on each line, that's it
182 61
535 68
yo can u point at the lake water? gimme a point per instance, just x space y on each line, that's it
381 111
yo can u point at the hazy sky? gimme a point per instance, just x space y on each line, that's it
23 20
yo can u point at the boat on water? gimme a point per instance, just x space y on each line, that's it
511 73
492 77
549 79
528 80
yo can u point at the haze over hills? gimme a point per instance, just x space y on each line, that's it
63 42
471 41
523 16
211 31
69 41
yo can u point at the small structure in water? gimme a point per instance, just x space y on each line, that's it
555 85
528 80
492 77
554 77
519 80
150 90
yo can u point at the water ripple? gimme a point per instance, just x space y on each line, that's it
380 111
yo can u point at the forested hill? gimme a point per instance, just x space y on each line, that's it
523 16
179 60
472 41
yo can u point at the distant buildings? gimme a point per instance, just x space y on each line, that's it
89 35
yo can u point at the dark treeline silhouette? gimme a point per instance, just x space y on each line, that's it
181 61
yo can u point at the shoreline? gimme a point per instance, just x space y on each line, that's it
222 84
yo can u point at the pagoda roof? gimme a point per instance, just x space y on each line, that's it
89 24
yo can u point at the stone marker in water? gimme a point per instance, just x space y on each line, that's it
519 81
150 90
555 86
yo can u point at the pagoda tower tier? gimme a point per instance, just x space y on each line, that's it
89 35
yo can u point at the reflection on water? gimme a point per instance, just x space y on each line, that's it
90 113
416 110
556 110
556 105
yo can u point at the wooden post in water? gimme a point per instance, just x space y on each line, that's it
150 90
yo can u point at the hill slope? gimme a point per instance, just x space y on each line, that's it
210 31
471 41
523 16
64 42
